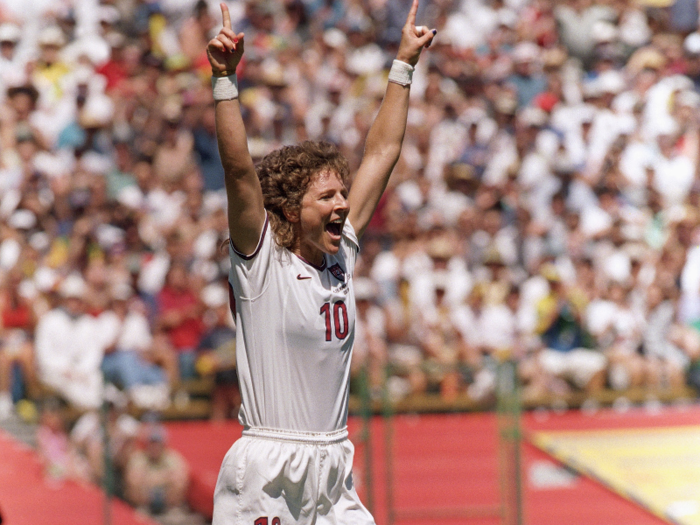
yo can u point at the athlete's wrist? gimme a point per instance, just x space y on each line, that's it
224 87
401 73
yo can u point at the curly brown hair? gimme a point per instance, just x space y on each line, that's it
285 175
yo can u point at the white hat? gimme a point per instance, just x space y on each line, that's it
603 31
10 250
213 201
214 295
72 286
531 116
54 165
27 289
691 44
365 288
108 14
507 17
525 52
131 197
22 220
366 60
98 111
9 32
206 244
45 279
611 82
40 241
121 291
96 163
9 202
51 36
108 235
591 89
115 39
334 38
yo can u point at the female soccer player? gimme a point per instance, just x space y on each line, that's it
294 229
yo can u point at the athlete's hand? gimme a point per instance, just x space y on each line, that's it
414 39
225 50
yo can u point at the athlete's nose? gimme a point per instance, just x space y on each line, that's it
341 203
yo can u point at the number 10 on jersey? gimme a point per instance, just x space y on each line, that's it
337 321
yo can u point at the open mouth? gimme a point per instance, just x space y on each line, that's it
335 228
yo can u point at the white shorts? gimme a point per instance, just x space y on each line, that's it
579 365
288 478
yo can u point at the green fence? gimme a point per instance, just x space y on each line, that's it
508 408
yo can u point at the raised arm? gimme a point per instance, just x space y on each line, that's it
246 212
383 144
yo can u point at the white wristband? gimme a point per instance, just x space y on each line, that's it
401 73
225 88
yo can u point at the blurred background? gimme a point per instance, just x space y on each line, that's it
535 261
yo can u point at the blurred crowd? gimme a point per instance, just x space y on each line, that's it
129 459
545 207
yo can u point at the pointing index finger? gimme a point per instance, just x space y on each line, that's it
411 20
225 15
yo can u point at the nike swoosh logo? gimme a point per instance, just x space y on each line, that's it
302 277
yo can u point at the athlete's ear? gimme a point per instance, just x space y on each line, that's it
292 215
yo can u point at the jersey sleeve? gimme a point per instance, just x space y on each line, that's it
249 272
350 245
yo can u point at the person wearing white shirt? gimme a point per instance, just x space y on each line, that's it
618 328
674 173
294 240
69 348
128 343
14 55
370 351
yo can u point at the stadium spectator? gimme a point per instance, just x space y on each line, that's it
569 353
156 476
441 341
174 152
13 55
194 35
403 343
370 354
17 319
20 120
131 360
501 337
527 81
180 316
207 151
69 347
668 345
617 327
87 438
59 458
474 370
216 353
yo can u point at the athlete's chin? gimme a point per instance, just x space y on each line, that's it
332 247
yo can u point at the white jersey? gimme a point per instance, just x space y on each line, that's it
296 327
